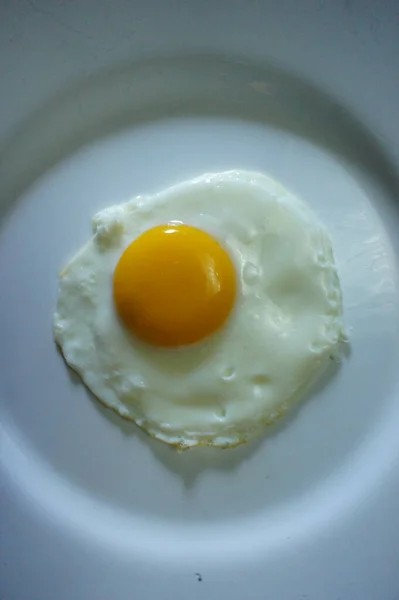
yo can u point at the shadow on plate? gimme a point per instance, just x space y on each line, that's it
189 464
178 86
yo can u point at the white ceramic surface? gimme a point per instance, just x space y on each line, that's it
101 101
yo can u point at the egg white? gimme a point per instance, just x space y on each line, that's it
286 322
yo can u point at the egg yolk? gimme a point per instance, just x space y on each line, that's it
174 285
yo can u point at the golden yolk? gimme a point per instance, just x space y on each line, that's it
174 285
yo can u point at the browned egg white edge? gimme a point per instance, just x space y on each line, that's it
209 443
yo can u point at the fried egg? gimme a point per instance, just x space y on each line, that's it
204 311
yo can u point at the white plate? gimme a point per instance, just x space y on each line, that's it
92 508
